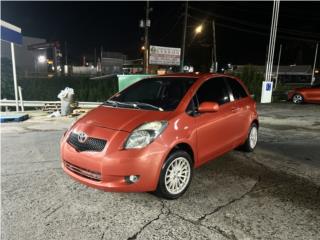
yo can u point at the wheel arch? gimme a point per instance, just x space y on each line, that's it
256 122
185 147
298 93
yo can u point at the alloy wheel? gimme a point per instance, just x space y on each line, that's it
253 137
177 175
297 98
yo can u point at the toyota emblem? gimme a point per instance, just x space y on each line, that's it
82 137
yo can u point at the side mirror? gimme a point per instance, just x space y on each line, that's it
208 107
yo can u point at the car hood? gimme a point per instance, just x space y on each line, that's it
123 119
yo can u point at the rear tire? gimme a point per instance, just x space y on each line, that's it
297 98
175 176
252 139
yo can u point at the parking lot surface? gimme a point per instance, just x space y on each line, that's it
272 193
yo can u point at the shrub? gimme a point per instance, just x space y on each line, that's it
253 79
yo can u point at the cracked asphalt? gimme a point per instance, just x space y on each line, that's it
272 193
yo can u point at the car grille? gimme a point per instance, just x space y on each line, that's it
96 176
91 144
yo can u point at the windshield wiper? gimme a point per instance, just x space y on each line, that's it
145 105
119 104
113 103
132 104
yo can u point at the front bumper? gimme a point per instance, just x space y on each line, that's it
107 170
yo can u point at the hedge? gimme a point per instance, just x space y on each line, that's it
47 89
85 89
7 89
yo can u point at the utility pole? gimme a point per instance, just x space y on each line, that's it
314 65
266 92
55 58
101 51
95 57
276 81
184 35
273 35
146 39
214 52
65 67
65 53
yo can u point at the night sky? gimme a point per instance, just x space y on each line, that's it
242 28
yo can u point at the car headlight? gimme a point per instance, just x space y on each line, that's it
145 134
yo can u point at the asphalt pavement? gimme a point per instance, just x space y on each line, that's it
272 193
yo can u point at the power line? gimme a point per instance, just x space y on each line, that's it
265 34
260 9
296 32
172 28
255 25
241 29
171 11
228 18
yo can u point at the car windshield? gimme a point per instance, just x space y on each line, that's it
159 94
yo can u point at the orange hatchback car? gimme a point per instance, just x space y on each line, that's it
151 135
305 95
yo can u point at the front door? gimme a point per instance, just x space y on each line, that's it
214 134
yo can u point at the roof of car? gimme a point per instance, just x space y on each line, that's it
191 75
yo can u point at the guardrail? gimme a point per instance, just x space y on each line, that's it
12 103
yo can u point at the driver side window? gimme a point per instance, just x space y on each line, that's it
212 90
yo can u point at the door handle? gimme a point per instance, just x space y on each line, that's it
235 109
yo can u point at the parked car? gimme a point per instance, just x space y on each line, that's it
151 135
305 95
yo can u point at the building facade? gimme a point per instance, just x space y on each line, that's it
27 61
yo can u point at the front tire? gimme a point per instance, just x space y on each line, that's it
175 176
297 98
252 139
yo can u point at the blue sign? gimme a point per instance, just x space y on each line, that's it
10 33
268 86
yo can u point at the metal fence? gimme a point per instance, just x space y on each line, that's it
11 103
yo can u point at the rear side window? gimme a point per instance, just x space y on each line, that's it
236 88
213 90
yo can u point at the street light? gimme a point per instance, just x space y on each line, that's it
198 29
42 59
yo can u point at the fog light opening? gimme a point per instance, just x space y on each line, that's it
131 179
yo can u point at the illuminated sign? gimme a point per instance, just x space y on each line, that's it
164 56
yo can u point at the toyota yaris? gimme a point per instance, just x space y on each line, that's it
151 135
